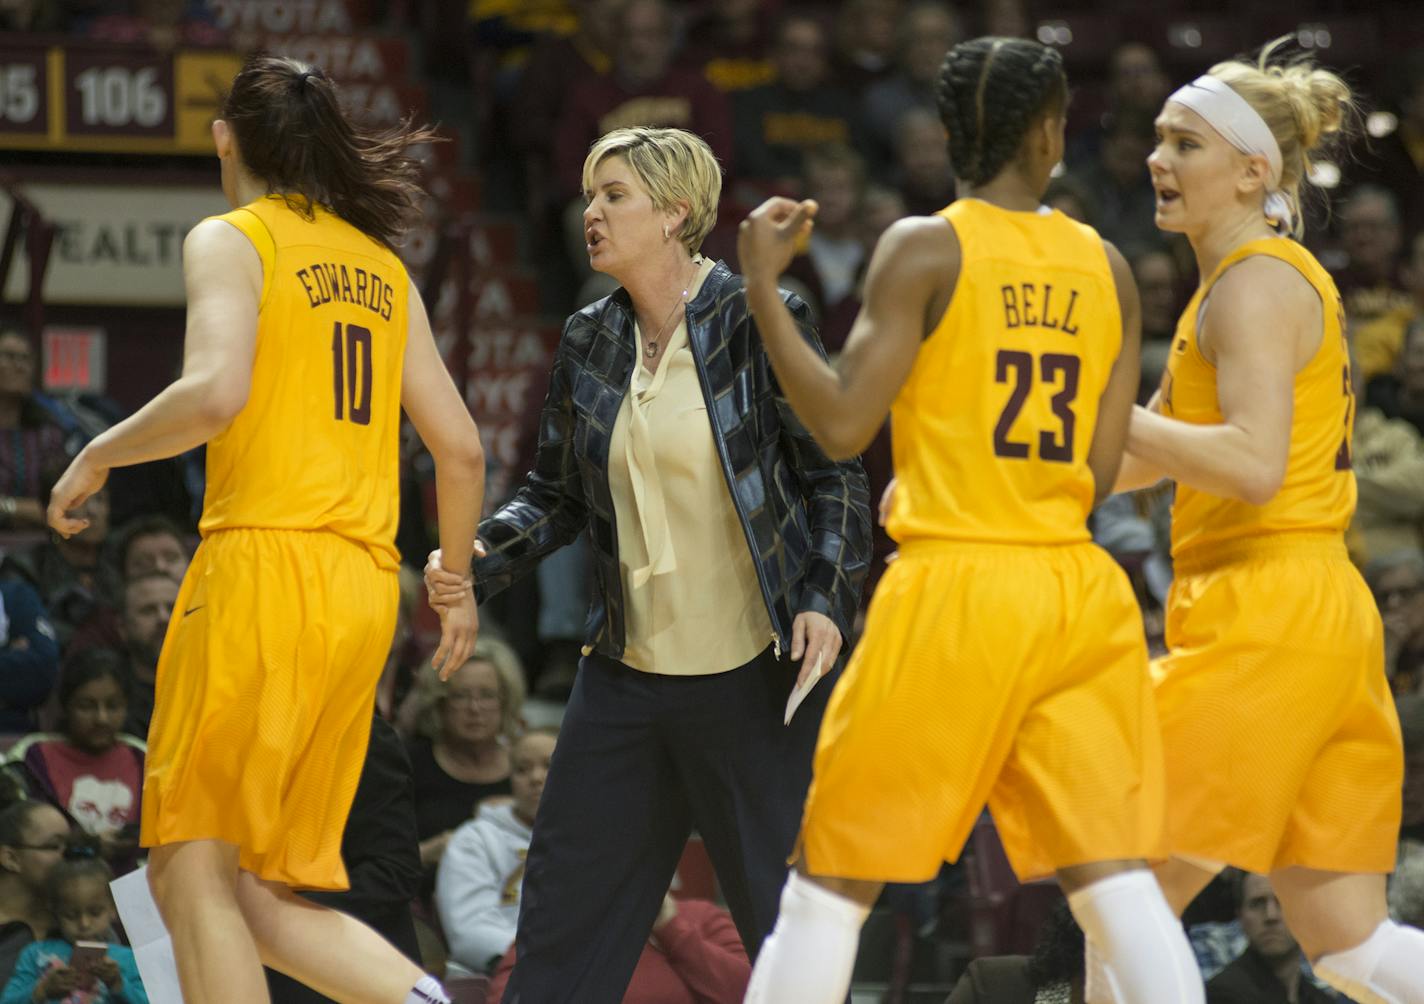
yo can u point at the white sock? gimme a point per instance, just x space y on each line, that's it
1097 987
809 955
1387 968
427 991
1145 954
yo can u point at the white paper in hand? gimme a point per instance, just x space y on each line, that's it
798 693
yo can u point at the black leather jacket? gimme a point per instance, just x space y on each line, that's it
806 517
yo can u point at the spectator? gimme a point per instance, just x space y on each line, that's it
402 666
1388 458
148 544
1005 18
1378 342
731 42
84 911
382 856
1054 972
1406 891
31 446
1400 394
29 656
162 24
693 956
880 207
1119 187
1070 198
66 571
1398 160
478 889
645 88
90 770
460 756
925 34
1136 84
777 124
1411 723
865 42
1372 237
31 16
1159 291
33 837
151 544
148 606
1397 581
922 169
1269 970
555 64
835 178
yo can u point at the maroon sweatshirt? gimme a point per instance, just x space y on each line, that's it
697 958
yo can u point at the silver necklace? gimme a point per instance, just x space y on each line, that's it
651 349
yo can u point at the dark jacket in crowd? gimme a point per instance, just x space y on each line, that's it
806 517
1249 980
29 657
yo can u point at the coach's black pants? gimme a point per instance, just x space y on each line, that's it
641 760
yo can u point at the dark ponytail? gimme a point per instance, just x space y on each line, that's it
293 135
990 91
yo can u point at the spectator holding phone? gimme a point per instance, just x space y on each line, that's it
83 965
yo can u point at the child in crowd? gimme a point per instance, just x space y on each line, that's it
84 912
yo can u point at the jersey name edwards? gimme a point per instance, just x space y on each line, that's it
325 282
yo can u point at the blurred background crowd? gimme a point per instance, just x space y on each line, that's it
832 100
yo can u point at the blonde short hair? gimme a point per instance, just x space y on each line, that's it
1301 104
674 165
507 670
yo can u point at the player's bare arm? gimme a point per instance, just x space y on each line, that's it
1263 320
1105 455
439 415
911 278
223 277
1135 474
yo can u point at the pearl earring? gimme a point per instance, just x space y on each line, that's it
667 235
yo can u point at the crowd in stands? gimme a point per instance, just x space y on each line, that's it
833 100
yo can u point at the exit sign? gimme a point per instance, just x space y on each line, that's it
74 359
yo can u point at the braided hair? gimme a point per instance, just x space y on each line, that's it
990 91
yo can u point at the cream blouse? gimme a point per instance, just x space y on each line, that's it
693 603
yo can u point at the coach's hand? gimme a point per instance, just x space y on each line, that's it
71 491
445 588
814 636
459 627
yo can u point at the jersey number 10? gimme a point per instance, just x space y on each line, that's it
1057 446
350 363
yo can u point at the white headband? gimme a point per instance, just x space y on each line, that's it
1239 124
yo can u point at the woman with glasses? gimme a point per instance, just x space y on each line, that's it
460 755
33 836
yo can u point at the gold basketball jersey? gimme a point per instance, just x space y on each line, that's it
1318 492
317 445
991 430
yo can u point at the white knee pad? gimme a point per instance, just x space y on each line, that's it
1386 968
810 954
1097 984
1144 954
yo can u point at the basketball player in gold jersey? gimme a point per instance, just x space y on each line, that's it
1003 660
304 339
1281 741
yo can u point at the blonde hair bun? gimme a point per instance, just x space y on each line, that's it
1302 104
